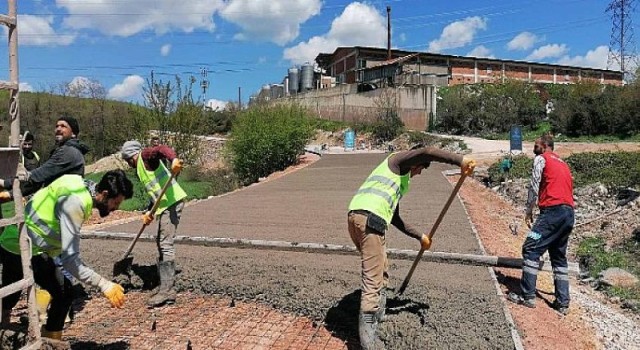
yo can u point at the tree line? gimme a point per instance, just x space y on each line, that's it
583 109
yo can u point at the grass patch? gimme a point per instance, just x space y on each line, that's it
593 255
195 189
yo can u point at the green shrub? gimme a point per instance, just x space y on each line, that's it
521 166
613 169
265 139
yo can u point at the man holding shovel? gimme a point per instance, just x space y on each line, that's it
371 210
149 165
53 218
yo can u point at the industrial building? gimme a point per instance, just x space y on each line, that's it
383 67
348 84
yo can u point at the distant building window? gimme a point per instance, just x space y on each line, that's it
361 63
566 77
489 70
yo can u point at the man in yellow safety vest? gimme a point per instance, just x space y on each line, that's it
373 208
53 218
150 168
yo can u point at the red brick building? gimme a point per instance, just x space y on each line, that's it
359 64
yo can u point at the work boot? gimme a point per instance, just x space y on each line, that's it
166 294
367 325
519 299
561 309
382 306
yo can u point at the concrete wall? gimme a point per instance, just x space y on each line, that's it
345 104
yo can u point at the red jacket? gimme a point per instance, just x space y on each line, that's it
556 185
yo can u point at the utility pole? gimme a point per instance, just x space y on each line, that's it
388 32
239 97
622 50
10 20
204 84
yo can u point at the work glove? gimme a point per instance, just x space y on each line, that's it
147 218
5 196
176 166
115 293
425 242
468 164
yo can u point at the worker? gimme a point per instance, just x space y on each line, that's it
552 187
28 157
66 158
53 218
150 168
372 209
154 141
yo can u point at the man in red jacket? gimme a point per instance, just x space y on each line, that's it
552 186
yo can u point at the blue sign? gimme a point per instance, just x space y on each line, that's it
515 138
349 139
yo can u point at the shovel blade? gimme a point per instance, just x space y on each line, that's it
123 267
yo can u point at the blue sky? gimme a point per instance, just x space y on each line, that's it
249 43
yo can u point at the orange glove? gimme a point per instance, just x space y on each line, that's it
115 294
147 218
176 166
468 164
425 242
5 196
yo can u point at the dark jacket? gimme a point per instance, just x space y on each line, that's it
67 158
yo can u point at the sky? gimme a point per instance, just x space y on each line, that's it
244 44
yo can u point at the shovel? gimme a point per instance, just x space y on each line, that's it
123 265
434 228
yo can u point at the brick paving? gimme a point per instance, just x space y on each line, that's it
202 322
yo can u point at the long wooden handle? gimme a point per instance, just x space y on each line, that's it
153 210
433 231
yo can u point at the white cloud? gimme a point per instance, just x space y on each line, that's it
216 104
39 31
165 49
480 51
458 34
277 21
548 51
126 18
522 41
131 87
402 37
26 87
596 58
359 24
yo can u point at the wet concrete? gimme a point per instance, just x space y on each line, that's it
444 307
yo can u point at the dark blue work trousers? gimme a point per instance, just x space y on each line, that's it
549 232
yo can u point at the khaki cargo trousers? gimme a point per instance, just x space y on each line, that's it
373 253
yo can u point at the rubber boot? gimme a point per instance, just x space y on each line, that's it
57 335
166 293
367 325
43 298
